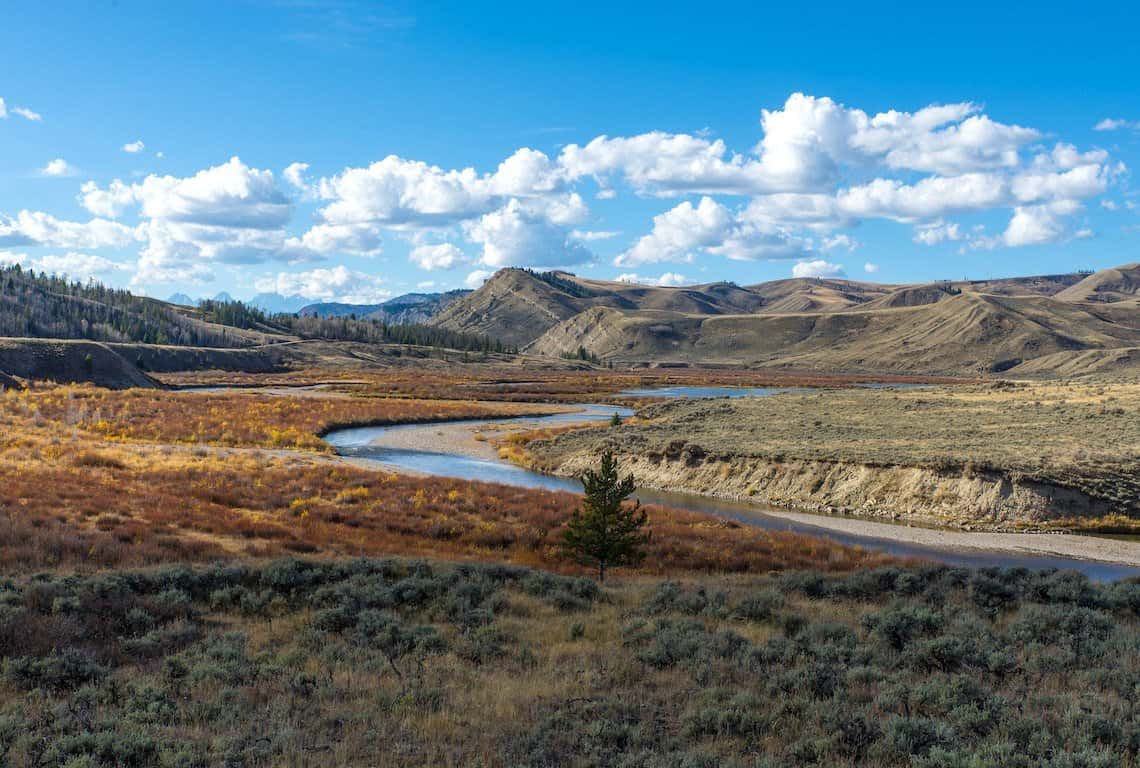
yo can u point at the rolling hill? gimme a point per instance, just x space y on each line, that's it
1037 324
52 328
1108 286
1053 325
517 305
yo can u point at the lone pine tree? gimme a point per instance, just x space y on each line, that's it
606 531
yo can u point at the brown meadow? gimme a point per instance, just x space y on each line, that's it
235 419
82 488
530 384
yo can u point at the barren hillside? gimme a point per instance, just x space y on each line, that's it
931 330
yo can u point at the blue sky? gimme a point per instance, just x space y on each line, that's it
352 151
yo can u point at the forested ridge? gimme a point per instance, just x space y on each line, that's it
48 306
372 330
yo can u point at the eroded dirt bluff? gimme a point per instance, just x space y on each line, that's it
970 500
997 455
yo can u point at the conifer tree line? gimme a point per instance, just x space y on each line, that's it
50 306
374 330
39 305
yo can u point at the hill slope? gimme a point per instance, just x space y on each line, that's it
518 305
1045 325
39 306
963 333
1108 286
68 361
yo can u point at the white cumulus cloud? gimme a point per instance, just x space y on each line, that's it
57 167
476 278
111 202
665 280
817 268
440 256
74 265
410 194
1115 124
31 228
816 169
516 236
294 173
938 232
326 239
1037 224
678 232
681 233
334 284
227 213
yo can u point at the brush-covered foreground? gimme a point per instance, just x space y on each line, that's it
388 662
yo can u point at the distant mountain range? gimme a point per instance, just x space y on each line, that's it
276 304
410 308
186 301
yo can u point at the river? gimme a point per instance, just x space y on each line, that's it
388 448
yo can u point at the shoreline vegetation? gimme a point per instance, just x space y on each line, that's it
509 439
538 384
116 478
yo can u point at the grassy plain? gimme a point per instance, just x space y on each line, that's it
1077 435
235 419
477 382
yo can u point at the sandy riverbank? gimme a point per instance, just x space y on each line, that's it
1101 549
466 440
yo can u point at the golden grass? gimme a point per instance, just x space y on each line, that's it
233 419
526 385
1079 435
83 488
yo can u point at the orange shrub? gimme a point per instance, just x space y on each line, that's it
238 419
192 508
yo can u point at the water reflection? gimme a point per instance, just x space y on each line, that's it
360 443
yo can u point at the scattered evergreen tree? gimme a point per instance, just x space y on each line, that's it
607 532
582 354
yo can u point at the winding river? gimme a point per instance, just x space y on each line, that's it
418 448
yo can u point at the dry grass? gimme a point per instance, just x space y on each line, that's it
83 488
280 664
234 419
495 383
1077 435
1063 424
141 508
